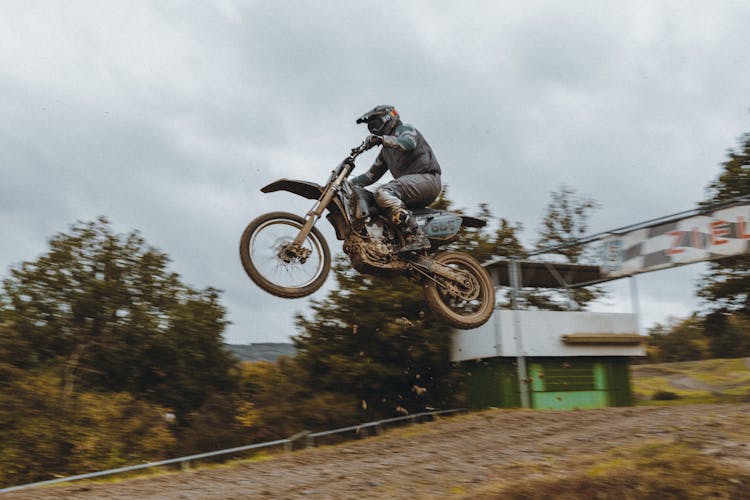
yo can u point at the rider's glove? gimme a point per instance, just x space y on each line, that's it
373 140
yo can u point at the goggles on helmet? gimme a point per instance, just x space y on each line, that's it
379 118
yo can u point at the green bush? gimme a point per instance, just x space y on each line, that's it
664 396
48 432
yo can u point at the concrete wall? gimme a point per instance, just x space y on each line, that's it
541 335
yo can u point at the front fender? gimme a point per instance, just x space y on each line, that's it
313 191
305 189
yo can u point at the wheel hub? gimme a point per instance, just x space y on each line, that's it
290 253
466 289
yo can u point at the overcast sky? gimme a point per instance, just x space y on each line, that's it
169 116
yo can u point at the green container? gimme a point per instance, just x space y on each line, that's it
554 383
492 382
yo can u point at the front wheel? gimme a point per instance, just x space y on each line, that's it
275 264
465 303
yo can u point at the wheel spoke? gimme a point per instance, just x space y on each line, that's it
267 251
464 298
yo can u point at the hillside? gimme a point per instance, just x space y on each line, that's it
261 351
686 451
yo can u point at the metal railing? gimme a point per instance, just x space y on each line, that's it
288 446
378 425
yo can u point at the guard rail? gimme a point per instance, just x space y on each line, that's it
288 446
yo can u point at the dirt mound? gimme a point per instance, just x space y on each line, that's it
468 456
689 383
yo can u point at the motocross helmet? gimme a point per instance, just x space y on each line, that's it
381 120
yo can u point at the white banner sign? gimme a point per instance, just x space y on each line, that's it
722 233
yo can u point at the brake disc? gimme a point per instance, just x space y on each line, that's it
290 253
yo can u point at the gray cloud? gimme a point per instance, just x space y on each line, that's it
169 117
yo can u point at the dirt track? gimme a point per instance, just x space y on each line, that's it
453 457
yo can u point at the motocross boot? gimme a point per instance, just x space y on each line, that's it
414 238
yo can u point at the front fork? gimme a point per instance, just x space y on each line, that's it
317 210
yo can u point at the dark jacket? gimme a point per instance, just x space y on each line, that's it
404 152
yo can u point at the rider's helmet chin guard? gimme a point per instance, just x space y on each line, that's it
381 120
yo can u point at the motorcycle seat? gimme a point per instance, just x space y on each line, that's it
466 220
425 211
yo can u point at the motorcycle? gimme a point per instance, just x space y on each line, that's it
287 256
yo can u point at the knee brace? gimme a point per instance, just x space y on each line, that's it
387 198
390 203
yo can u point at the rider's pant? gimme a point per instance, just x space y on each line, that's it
408 191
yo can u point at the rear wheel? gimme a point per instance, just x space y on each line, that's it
464 303
275 264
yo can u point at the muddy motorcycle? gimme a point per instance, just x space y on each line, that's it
287 256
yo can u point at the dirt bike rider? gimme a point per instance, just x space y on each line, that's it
415 170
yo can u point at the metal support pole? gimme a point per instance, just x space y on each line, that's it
635 303
498 336
523 379
572 304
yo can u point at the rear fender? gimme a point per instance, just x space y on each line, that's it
467 221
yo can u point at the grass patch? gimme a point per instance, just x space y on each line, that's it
693 382
83 484
663 470
258 456
697 399
647 386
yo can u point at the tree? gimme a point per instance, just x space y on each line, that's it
566 220
727 284
10 344
734 179
481 243
104 309
46 432
728 334
374 339
282 399
680 340
726 287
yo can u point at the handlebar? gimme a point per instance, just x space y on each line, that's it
358 151
349 160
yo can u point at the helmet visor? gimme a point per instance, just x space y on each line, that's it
375 124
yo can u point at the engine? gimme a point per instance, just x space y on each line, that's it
372 254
